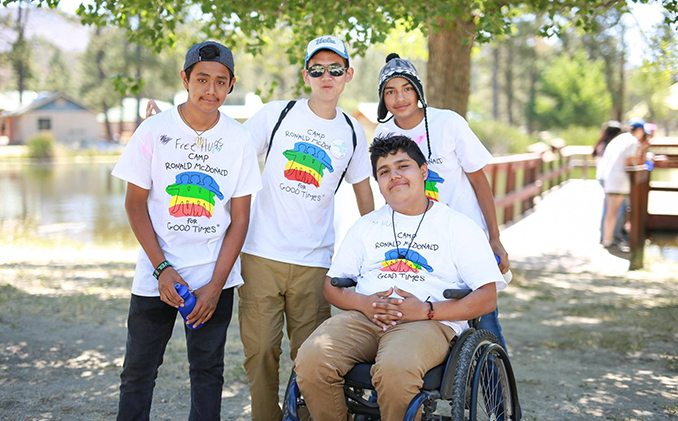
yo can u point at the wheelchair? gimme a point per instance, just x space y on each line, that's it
475 383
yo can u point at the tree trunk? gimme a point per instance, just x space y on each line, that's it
20 49
138 71
622 76
495 82
530 111
448 83
101 76
509 81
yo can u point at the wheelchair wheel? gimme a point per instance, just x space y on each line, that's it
294 407
484 388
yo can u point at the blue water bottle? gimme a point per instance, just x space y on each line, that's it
189 303
508 276
649 164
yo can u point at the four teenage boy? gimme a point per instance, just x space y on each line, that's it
191 171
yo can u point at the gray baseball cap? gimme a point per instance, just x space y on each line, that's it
196 54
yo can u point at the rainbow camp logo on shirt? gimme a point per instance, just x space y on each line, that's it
431 190
406 261
307 163
193 195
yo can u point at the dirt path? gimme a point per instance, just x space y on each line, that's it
588 341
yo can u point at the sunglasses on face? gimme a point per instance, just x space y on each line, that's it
335 70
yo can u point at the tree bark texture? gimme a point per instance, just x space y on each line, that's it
509 81
448 81
495 82
101 77
622 77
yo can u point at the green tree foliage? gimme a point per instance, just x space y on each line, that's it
573 91
60 76
362 23
652 81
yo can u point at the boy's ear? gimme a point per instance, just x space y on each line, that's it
424 170
184 79
349 74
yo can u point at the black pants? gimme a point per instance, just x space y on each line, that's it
149 328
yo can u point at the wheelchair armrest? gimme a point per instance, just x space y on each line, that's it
343 282
456 294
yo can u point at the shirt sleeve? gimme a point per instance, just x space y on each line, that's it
631 149
134 165
260 125
471 153
348 261
249 179
360 167
473 255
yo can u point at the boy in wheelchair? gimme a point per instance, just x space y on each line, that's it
402 256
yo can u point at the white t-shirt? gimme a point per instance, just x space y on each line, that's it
449 251
456 150
190 189
613 163
292 217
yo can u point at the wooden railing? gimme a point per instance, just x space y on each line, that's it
643 222
517 180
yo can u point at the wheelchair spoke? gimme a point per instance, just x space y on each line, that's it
493 399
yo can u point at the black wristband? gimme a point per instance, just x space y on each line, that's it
162 266
430 312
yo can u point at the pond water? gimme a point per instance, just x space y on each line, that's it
69 203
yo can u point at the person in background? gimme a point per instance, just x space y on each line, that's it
611 129
624 150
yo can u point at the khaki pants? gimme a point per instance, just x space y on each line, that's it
401 355
275 291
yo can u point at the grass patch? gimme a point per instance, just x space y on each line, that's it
671 362
670 410
620 342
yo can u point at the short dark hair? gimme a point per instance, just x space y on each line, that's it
208 52
391 144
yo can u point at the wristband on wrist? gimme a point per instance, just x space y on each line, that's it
431 313
162 266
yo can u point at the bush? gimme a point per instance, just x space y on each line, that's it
41 146
500 138
578 135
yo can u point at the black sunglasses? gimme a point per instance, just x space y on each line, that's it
335 70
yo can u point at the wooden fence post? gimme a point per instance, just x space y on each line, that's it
640 189
510 187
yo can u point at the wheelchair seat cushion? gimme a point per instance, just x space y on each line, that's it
360 376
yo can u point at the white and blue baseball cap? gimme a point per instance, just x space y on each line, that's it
639 123
326 42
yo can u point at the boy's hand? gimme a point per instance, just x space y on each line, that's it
151 108
206 300
382 310
168 294
499 250
412 309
